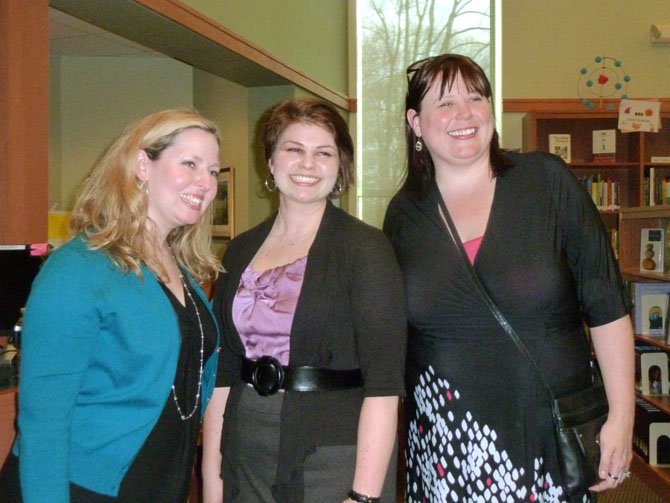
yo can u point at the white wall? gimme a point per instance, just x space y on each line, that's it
226 104
545 43
98 97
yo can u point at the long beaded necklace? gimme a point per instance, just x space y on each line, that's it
202 356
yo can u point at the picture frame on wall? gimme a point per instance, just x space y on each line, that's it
223 223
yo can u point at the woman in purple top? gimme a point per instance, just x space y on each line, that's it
313 313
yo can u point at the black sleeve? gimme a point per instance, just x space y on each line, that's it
587 245
379 315
228 370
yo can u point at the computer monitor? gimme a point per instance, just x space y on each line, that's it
18 268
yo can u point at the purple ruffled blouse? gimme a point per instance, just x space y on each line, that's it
263 309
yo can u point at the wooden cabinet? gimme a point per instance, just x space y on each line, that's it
7 420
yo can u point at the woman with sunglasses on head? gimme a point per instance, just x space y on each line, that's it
479 422
313 314
118 348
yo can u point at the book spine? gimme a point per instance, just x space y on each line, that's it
652 187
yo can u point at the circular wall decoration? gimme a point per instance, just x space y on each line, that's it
604 78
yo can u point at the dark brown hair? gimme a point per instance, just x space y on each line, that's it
319 113
421 75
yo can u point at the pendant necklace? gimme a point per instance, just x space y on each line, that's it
183 416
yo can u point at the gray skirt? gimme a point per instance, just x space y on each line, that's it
328 472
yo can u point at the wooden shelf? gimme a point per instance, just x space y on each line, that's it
636 275
605 165
642 212
657 341
657 478
660 401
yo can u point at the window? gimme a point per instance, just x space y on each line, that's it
391 35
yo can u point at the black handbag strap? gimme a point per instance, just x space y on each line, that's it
453 233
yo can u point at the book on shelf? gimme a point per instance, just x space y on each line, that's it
646 415
652 249
660 159
656 188
614 241
603 191
559 144
651 369
665 190
604 146
650 307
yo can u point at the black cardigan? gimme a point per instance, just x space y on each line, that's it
350 314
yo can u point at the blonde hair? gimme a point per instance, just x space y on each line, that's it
111 210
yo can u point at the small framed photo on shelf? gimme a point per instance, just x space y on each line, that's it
559 144
223 224
652 243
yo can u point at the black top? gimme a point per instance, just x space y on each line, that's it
350 314
546 261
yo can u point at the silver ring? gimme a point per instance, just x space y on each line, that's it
612 476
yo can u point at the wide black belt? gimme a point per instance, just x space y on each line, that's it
268 376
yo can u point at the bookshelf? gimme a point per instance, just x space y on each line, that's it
634 151
655 476
630 167
631 221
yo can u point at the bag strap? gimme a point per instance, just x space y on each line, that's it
453 233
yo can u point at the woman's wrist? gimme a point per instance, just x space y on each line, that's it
362 498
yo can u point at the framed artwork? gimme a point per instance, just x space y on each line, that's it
223 224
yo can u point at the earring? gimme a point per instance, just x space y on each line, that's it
144 187
418 146
336 190
270 183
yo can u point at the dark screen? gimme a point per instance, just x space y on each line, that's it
17 272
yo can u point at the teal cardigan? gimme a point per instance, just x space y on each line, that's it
99 355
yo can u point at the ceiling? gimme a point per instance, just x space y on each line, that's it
124 28
71 36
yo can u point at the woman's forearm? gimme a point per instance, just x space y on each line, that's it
614 348
377 430
211 447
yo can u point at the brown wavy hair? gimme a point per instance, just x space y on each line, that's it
421 75
319 113
111 208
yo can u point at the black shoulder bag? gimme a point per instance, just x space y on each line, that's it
578 416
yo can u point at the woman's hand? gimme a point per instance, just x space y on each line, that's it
616 441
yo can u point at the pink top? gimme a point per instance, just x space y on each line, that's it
263 309
472 247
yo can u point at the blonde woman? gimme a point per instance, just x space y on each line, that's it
119 357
